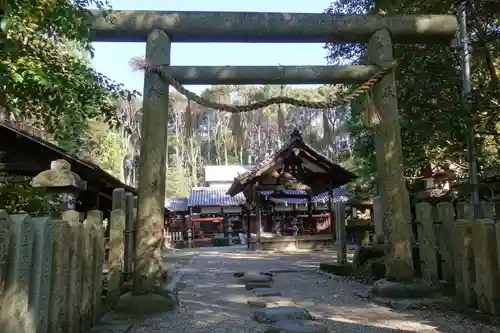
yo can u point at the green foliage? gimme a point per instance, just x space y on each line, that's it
433 121
178 183
45 77
111 154
17 196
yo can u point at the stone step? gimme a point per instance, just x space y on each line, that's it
265 292
251 285
269 302
281 313
296 326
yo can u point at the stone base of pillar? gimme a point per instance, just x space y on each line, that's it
403 290
145 305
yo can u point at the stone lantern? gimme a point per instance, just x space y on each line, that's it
61 180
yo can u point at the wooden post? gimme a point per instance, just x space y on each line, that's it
484 244
116 244
128 260
463 258
5 229
249 227
427 242
310 213
486 210
341 233
134 239
149 271
41 274
59 280
190 237
331 210
94 219
446 217
75 269
258 223
390 170
182 221
464 211
14 309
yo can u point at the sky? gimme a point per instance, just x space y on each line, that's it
112 59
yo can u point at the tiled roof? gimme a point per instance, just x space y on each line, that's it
287 192
339 195
213 197
176 204
339 175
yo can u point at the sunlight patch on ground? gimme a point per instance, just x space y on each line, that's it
402 324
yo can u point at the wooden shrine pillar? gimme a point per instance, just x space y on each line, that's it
331 211
341 227
310 220
242 219
224 224
258 222
182 221
249 226
299 225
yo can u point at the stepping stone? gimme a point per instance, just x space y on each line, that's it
297 326
265 292
255 279
250 286
281 313
270 302
241 274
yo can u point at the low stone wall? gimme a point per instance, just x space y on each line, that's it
283 243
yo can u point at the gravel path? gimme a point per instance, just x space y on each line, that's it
214 302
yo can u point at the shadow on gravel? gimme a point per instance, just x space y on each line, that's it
218 297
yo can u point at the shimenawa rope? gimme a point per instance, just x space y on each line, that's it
142 64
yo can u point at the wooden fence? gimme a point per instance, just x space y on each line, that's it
463 251
51 270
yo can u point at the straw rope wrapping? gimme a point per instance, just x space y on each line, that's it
141 64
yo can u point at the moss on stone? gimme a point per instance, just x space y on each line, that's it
404 289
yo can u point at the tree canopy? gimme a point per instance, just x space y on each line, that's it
433 119
46 78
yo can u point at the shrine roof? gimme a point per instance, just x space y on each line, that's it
213 197
322 173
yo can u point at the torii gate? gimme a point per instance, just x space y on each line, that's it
159 29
